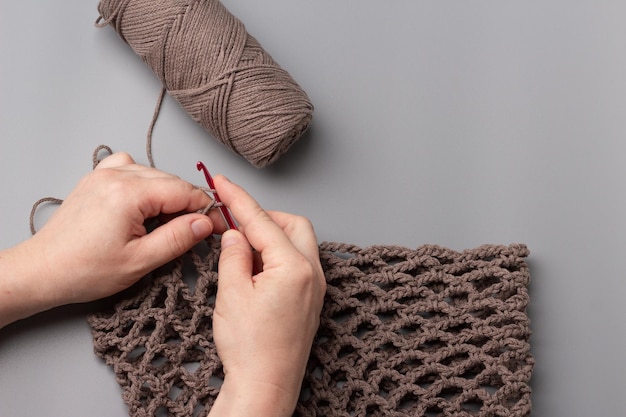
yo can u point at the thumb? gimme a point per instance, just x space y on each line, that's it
174 238
235 262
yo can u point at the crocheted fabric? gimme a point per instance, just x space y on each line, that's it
404 332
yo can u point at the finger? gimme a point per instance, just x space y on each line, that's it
122 161
219 225
235 263
300 231
116 160
169 195
145 171
171 240
259 228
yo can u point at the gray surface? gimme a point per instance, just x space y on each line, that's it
457 123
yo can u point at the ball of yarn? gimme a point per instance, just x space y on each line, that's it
218 73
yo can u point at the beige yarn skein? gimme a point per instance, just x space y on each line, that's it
218 73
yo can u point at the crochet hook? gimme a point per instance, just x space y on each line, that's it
229 219
209 179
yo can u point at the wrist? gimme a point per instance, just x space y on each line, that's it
25 284
244 397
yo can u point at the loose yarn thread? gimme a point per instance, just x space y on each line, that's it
95 160
219 74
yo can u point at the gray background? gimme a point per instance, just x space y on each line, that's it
456 123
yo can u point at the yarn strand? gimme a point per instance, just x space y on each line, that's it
155 116
33 211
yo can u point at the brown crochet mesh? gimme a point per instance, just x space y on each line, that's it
404 332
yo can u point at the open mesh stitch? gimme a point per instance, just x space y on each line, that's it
404 332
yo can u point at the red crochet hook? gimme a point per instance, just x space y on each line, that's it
229 219
209 179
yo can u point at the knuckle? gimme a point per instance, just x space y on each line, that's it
105 176
302 222
322 279
299 225
176 243
108 182
235 254
123 157
311 277
306 271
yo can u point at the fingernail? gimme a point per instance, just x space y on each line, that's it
229 238
201 228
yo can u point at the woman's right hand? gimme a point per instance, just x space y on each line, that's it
264 323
